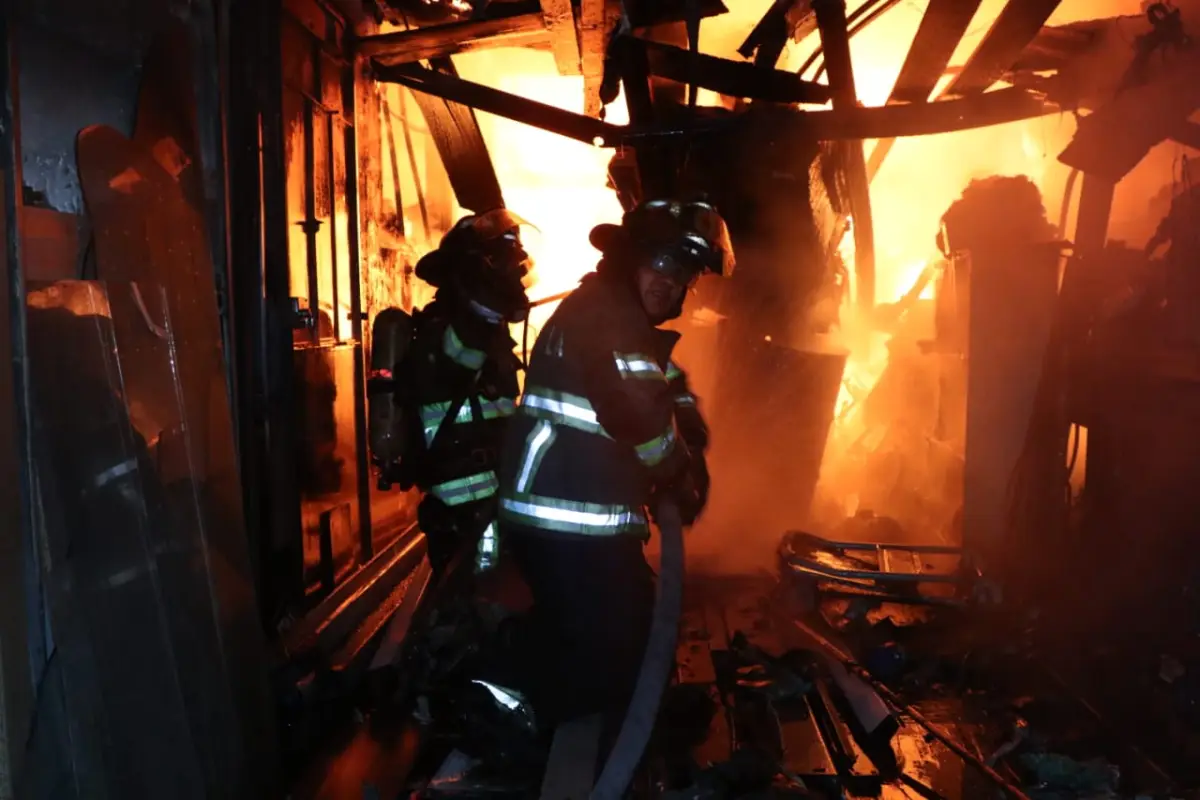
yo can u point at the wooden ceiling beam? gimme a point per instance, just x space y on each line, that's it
559 17
437 41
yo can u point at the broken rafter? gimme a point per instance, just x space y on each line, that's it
918 119
1017 25
564 39
521 30
770 35
835 41
732 78
942 28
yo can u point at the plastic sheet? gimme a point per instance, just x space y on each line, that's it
156 683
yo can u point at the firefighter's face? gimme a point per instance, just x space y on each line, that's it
660 293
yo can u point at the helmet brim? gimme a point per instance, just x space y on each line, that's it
607 237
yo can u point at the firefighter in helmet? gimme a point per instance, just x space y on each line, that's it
460 379
607 423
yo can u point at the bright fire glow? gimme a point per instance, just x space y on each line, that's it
560 185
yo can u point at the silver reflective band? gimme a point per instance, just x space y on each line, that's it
563 409
636 365
459 353
487 550
539 438
575 408
685 400
566 516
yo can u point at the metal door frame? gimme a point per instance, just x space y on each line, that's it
18 571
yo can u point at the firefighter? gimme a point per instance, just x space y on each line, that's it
461 381
605 428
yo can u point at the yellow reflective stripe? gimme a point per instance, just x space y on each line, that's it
561 408
569 516
636 365
459 353
673 371
654 451
501 407
466 490
536 445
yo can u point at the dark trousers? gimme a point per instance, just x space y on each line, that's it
593 602
451 530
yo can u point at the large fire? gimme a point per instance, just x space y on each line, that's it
561 185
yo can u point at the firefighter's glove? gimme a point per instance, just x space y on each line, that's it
684 493
692 428
699 474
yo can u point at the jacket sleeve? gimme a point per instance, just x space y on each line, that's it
631 396
688 420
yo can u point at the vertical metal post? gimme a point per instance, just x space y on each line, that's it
311 223
350 100
16 686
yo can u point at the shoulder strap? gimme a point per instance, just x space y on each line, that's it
451 414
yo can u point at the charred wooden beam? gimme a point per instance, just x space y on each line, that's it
926 119
460 143
597 19
1018 25
733 78
769 36
654 164
942 28
503 104
835 41
918 119
521 30
559 17
862 17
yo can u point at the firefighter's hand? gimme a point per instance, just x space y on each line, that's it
688 496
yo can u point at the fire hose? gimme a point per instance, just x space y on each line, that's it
657 663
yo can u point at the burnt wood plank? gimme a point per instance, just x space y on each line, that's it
733 78
521 30
559 17
941 30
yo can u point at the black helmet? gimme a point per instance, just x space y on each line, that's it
482 259
682 239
